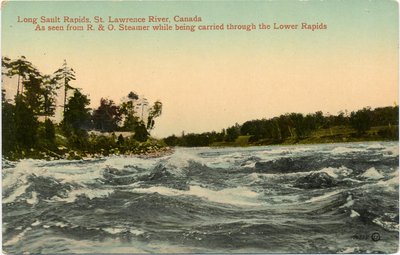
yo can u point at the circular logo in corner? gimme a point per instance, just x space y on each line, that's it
375 237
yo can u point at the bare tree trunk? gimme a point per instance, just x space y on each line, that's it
18 85
65 100
65 95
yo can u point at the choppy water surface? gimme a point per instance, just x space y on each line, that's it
299 199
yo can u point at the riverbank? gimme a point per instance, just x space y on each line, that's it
102 146
337 134
149 149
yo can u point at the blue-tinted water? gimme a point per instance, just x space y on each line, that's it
300 199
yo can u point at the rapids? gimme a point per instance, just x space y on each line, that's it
330 198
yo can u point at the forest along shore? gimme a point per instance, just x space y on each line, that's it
379 124
32 129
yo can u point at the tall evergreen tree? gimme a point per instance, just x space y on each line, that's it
49 90
23 69
65 75
33 94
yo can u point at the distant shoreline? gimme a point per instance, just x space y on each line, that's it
303 142
294 144
334 134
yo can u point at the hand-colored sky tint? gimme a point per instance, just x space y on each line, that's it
210 80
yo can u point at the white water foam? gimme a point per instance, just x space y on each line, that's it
372 173
14 195
345 150
249 164
354 214
390 185
349 202
61 225
392 151
119 162
240 196
340 172
388 225
36 223
349 250
34 199
375 146
15 179
336 172
235 196
116 230
90 193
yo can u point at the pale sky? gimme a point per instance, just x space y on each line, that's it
209 80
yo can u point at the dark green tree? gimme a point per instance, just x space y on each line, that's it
133 96
172 140
23 69
6 63
33 94
361 120
128 113
26 124
9 141
49 90
40 94
77 113
50 131
232 133
107 116
5 67
47 135
141 133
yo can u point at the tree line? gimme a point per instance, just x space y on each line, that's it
36 97
297 126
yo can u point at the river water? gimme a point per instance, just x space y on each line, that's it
333 198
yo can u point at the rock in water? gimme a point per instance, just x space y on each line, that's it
316 180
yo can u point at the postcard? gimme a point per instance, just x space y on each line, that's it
200 127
